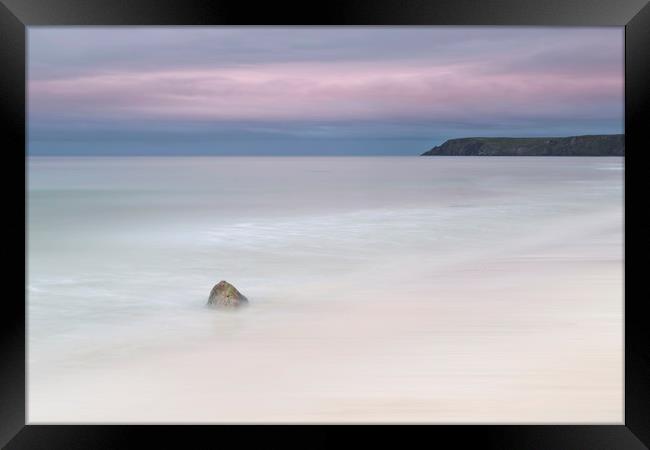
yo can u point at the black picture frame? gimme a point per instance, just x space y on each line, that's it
16 15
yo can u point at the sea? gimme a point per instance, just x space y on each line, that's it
381 289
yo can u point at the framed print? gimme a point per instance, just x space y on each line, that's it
387 220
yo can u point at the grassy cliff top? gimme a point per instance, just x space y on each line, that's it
588 145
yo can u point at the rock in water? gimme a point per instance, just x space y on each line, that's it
225 295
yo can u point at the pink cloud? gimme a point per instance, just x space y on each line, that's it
325 91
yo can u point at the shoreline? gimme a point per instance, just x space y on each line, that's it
404 292
272 376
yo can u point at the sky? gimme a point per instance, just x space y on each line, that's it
315 90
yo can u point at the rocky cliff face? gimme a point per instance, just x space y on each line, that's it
594 145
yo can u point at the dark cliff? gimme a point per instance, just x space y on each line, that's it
593 145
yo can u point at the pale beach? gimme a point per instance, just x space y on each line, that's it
382 289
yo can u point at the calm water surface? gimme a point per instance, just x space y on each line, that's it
384 272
